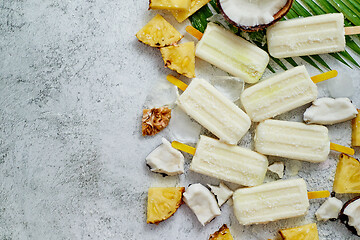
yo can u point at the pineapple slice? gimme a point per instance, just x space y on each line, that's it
194 6
158 33
163 203
306 232
182 5
180 58
356 131
222 234
347 177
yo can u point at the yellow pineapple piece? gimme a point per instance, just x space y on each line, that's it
163 203
347 177
356 131
158 33
306 232
182 5
180 58
194 6
222 234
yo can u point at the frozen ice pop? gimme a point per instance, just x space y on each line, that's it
294 140
271 201
204 103
229 162
232 53
281 93
307 36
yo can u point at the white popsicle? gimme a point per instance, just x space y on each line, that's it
271 201
232 53
307 36
212 110
229 162
278 94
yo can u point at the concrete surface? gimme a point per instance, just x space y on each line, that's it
73 81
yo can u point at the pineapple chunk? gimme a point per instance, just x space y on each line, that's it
180 58
356 131
347 177
194 6
182 5
306 232
163 203
158 33
222 234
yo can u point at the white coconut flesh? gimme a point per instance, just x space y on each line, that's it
251 12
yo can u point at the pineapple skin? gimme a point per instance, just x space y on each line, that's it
170 199
222 234
347 176
305 232
158 33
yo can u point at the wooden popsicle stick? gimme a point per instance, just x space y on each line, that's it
352 30
324 76
194 32
183 147
180 84
342 149
318 194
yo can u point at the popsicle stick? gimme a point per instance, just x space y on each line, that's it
183 147
352 30
318 194
194 32
180 84
324 76
342 149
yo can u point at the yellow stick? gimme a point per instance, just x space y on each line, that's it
180 84
355 139
194 32
318 194
342 149
324 76
352 30
183 147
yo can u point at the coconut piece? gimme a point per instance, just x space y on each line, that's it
350 215
222 193
166 159
253 15
329 209
329 111
202 202
278 168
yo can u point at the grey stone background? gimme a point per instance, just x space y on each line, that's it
73 81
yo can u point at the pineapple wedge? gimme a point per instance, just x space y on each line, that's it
182 5
158 33
180 58
306 232
356 131
347 177
163 203
222 234
194 6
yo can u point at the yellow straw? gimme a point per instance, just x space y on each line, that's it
194 32
318 194
324 76
180 84
342 149
183 147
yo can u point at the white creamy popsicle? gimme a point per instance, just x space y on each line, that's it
271 201
229 162
212 110
232 53
278 94
307 36
293 140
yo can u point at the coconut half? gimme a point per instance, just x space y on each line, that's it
253 15
350 215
